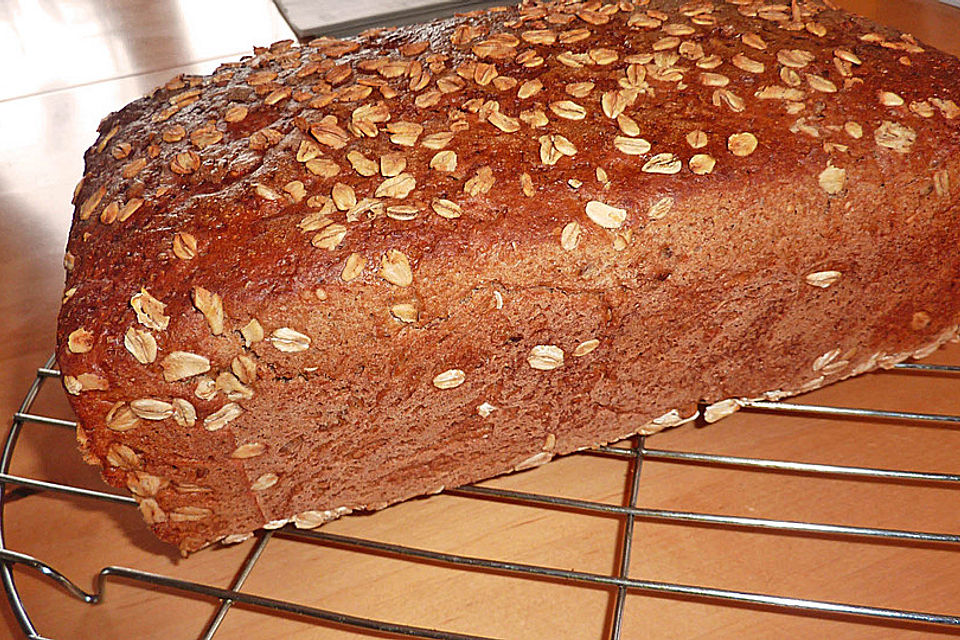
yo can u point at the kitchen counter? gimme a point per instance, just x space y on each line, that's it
66 64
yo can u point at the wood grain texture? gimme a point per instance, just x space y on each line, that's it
43 140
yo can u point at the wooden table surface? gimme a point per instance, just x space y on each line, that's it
68 63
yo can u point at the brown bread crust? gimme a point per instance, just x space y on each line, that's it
705 201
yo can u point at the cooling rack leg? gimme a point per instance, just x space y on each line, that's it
237 584
626 540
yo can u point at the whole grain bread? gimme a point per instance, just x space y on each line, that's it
331 277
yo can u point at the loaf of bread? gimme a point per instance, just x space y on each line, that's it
330 277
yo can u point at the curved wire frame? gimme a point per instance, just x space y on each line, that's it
620 583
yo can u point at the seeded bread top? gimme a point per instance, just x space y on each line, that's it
518 136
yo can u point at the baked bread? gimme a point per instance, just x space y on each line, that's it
332 277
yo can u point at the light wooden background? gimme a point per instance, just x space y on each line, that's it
67 63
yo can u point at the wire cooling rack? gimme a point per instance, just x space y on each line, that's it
619 583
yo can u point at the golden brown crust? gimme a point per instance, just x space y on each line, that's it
344 274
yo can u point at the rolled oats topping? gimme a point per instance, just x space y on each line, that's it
545 357
663 163
473 223
742 144
249 450
211 306
833 179
395 268
151 409
289 340
702 164
222 416
149 310
80 341
895 136
179 365
141 345
185 246
570 236
823 279
605 215
449 379
588 346
121 417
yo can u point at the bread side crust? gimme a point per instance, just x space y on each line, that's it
248 336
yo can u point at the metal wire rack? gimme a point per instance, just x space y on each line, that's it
620 583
